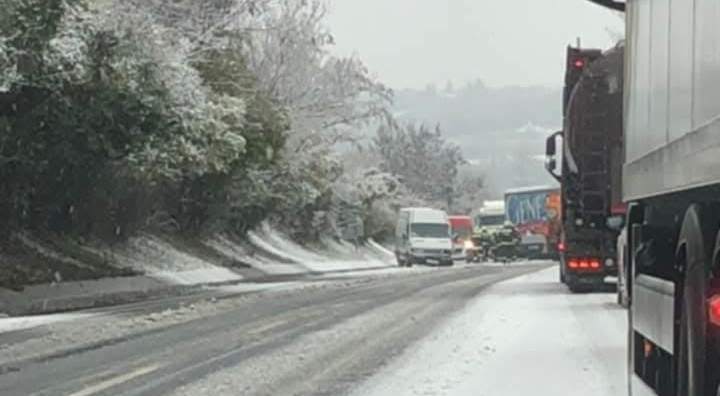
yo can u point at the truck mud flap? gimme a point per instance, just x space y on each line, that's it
654 310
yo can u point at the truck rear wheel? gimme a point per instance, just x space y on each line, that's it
696 359
576 287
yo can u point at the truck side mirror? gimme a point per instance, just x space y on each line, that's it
550 146
550 152
551 165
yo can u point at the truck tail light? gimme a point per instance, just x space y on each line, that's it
594 265
714 309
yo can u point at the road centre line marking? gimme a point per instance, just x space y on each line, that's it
116 381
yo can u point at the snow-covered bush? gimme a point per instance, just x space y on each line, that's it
102 90
8 67
208 115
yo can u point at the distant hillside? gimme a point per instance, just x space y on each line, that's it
501 130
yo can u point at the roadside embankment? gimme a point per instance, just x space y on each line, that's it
43 274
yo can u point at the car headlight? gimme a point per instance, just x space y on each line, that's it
469 245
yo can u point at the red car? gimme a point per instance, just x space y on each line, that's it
461 228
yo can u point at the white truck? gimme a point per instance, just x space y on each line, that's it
671 182
491 214
422 236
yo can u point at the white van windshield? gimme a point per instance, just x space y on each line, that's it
429 230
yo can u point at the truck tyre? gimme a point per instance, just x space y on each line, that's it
572 285
577 287
696 363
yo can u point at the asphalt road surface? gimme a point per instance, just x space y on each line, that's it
375 334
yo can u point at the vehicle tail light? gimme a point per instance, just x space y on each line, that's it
714 309
591 265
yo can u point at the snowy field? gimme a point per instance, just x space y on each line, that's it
528 336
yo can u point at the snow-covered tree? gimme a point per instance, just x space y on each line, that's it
470 192
326 99
325 96
214 113
423 160
93 90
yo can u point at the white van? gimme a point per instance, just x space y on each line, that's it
423 236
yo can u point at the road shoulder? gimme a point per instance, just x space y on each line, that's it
563 344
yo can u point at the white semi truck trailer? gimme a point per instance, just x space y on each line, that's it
671 181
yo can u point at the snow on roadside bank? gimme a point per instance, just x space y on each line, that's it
229 248
337 256
159 259
152 255
381 249
281 245
163 262
528 336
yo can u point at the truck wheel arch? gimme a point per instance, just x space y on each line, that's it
696 257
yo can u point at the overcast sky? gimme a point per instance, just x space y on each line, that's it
410 43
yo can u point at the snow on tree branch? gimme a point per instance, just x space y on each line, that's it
289 53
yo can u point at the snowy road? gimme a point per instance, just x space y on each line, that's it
527 336
447 331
